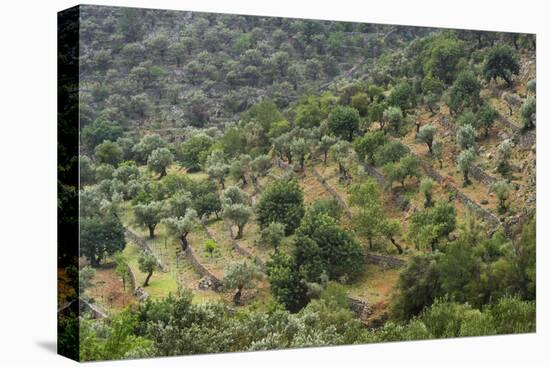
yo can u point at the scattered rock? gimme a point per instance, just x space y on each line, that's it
504 136
489 155
452 237
484 202
141 294
206 283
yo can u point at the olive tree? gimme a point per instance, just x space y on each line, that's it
512 101
367 145
216 168
299 148
324 145
466 137
122 269
147 144
426 188
503 156
238 214
342 152
240 167
437 151
272 235
528 113
486 118
260 167
370 220
147 264
426 135
159 160
428 226
241 276
394 118
465 161
149 215
234 195
502 190
181 226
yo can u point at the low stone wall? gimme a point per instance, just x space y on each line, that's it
513 225
133 282
475 171
484 214
491 219
384 260
138 292
201 269
398 199
235 245
526 139
144 246
480 175
332 191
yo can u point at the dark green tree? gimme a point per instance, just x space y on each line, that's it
344 122
282 202
428 226
100 237
501 61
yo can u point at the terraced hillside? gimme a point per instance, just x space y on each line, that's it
262 183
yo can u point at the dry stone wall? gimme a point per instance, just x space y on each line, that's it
332 192
144 246
217 284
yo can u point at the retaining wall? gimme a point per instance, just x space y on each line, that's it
384 260
486 215
235 245
475 171
144 246
332 192
201 269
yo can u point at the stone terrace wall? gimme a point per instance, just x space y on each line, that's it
480 175
475 171
524 138
201 269
397 198
144 246
483 213
384 260
235 245
486 215
138 292
332 192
